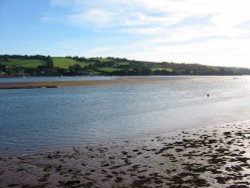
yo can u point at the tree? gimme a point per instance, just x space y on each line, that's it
2 68
49 62
75 69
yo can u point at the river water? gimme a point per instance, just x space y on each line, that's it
37 120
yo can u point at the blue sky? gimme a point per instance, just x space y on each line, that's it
193 31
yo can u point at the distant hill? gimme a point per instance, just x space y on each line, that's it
38 65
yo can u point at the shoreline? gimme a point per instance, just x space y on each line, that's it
214 156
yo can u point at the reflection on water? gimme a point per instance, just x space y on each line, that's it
39 119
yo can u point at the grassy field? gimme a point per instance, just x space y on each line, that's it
123 63
163 69
65 63
28 63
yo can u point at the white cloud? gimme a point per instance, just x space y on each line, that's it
224 14
95 17
203 31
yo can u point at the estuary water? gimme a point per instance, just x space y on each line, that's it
37 120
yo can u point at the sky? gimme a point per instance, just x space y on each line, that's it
211 32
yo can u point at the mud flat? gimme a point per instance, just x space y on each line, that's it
117 81
216 156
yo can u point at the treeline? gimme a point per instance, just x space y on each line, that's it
38 65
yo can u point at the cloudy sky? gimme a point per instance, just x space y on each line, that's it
213 32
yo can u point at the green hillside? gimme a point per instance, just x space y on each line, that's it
26 63
14 65
65 63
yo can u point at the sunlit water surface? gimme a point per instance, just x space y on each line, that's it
37 120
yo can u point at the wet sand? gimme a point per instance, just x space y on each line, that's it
117 81
215 156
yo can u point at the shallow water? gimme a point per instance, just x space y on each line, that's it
37 120
55 78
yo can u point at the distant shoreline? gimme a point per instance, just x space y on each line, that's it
40 65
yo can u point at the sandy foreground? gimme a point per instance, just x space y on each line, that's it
117 81
216 156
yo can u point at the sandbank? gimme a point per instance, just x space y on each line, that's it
117 81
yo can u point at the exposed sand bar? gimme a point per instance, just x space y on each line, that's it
216 156
30 85
118 81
